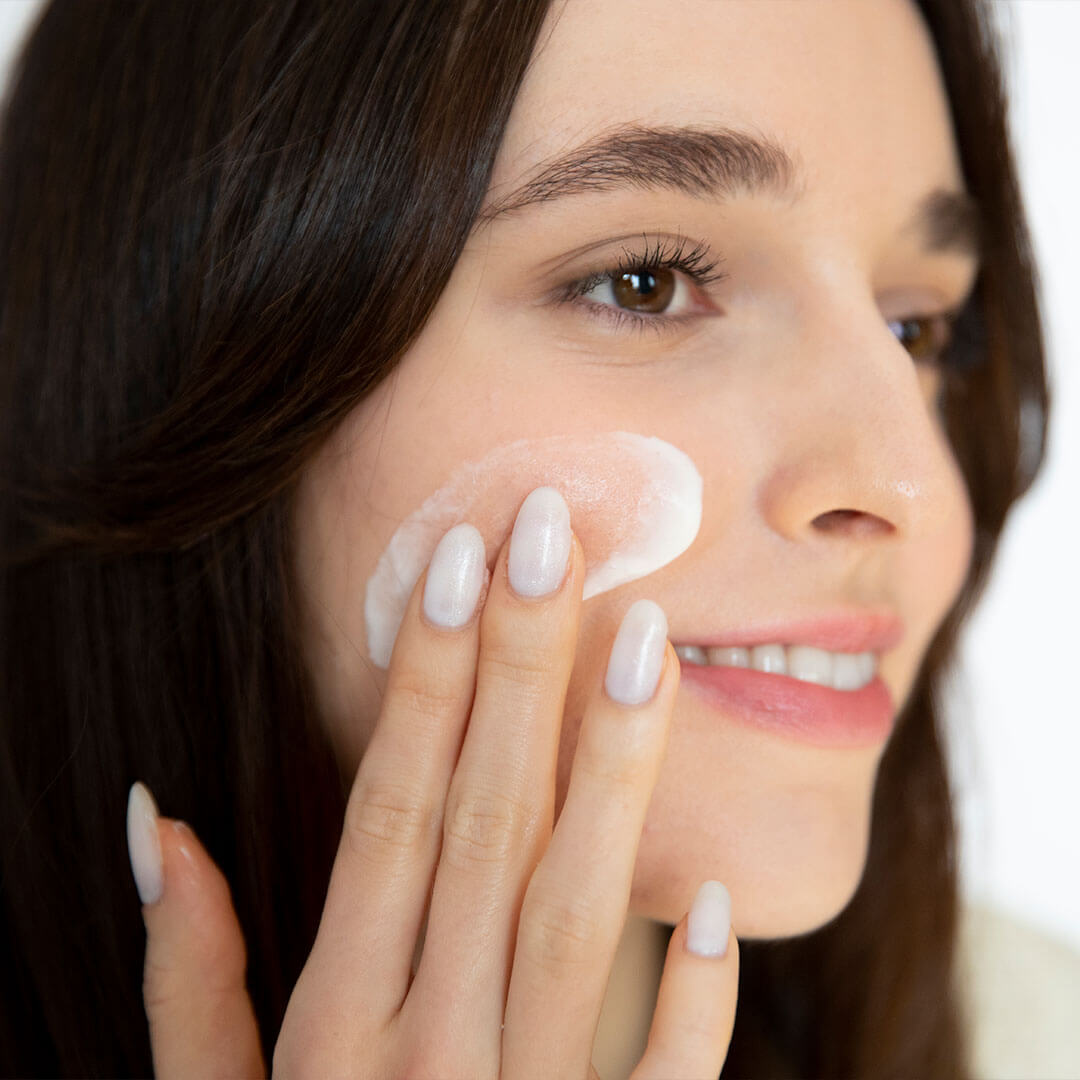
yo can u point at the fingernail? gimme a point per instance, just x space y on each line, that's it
144 846
637 655
709 921
540 544
455 577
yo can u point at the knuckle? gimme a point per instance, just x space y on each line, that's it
483 828
559 931
522 668
209 963
441 1052
419 694
388 820
160 986
628 770
219 974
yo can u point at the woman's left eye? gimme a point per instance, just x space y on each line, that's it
924 336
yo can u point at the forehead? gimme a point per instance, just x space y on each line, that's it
850 87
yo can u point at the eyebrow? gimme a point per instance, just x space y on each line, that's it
717 163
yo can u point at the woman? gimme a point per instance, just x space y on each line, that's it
294 291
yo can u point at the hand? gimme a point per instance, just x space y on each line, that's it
450 818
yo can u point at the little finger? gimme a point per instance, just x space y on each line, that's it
695 1008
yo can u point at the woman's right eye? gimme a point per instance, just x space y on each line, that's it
644 290
657 287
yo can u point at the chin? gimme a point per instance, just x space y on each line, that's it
790 870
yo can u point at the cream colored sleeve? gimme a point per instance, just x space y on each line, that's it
1021 988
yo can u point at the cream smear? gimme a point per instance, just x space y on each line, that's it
635 504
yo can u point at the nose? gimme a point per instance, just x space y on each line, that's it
860 454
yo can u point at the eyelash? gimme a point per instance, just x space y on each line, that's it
699 264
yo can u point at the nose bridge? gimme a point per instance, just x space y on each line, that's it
858 441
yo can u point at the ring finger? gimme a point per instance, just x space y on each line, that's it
576 903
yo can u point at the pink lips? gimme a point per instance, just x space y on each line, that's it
862 631
808 712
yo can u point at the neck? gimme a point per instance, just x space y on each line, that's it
631 997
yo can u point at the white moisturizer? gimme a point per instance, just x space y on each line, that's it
635 505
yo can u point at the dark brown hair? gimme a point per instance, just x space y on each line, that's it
222 225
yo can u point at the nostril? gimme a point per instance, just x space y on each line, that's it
851 523
835 518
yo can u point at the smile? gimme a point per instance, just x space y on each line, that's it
838 670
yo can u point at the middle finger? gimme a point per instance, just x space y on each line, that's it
500 804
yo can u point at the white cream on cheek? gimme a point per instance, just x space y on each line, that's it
635 504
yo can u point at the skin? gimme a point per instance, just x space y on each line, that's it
799 402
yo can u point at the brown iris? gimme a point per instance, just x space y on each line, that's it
644 289
921 337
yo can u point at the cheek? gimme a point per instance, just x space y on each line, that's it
635 505
937 563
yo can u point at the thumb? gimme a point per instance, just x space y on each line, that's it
201 1019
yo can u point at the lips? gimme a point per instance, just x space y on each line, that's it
793 708
851 631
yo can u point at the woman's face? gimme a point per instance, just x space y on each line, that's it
803 399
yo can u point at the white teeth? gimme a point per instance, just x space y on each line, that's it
848 671
693 653
812 665
841 671
869 665
729 657
769 658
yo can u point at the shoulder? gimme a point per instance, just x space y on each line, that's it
1021 988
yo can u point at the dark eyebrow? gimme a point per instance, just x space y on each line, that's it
949 221
715 163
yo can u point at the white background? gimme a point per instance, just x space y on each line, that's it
1014 719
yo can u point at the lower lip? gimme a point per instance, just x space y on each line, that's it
805 711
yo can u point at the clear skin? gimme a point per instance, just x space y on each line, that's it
798 401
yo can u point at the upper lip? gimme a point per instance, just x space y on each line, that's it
839 631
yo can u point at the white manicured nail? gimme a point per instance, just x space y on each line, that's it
709 921
540 544
637 656
144 845
455 577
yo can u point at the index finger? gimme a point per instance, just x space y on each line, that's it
393 820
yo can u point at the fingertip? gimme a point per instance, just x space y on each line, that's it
577 552
196 912
673 657
144 845
576 570
194 988
672 667
164 851
638 657
668 683
697 999
183 856
708 923
193 881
